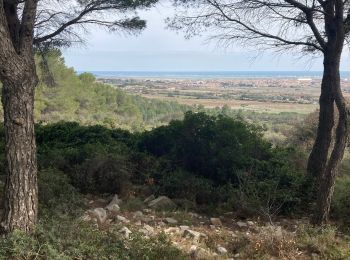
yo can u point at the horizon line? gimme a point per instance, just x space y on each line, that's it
304 71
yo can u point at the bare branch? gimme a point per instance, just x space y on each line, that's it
269 23
53 23
263 34
309 17
27 26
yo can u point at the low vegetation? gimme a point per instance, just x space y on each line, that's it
206 164
217 162
64 95
61 234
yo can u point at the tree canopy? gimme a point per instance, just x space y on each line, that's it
259 23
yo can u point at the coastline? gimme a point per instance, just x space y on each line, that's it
214 75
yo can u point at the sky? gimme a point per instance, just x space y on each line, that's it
160 49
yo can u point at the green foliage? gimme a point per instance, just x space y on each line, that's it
184 185
225 161
67 238
209 146
212 162
304 133
104 173
60 234
133 204
341 198
325 242
64 133
83 99
95 158
156 248
56 194
277 126
87 78
275 186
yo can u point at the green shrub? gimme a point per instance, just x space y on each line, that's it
157 248
133 204
63 134
181 184
66 238
275 186
95 158
56 194
104 174
221 161
324 241
213 162
340 204
213 147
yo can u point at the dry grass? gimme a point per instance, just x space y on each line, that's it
269 107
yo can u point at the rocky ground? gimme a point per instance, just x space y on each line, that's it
202 237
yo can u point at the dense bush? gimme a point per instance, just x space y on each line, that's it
341 199
57 195
95 158
63 135
184 185
208 146
104 174
217 160
212 162
63 145
275 186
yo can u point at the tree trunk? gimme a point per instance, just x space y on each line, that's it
21 193
324 168
327 180
318 157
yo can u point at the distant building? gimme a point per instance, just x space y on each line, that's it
304 79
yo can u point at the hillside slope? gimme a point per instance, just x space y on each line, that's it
62 94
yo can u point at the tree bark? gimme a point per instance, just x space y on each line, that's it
21 192
318 157
18 76
324 168
327 180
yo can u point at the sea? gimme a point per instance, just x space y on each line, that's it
211 74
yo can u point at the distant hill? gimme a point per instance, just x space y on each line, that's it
62 94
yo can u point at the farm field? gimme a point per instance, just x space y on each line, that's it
276 104
266 95
249 105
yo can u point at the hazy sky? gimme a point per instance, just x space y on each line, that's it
158 48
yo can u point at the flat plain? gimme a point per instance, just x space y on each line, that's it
266 95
